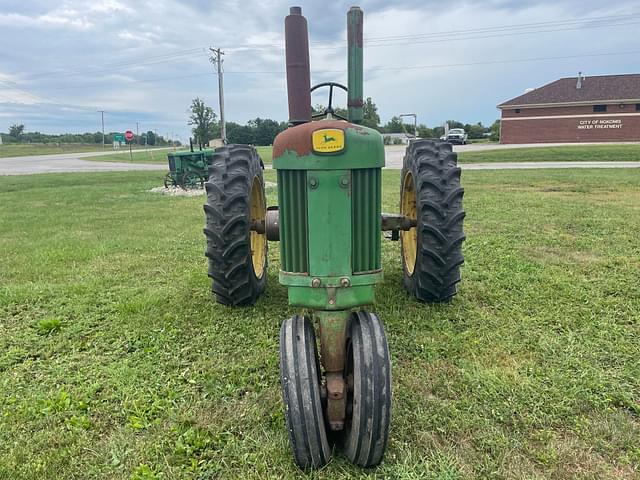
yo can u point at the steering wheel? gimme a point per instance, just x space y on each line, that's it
329 109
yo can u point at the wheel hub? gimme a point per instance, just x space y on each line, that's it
258 240
409 238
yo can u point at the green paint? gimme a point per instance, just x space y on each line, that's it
329 223
366 221
355 65
297 280
363 149
318 298
292 200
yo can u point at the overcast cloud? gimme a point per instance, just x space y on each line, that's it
143 61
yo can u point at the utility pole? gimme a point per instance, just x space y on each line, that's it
216 59
102 112
137 134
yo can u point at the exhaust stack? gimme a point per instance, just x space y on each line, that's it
355 23
296 37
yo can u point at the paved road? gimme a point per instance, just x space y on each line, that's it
395 153
71 162
542 165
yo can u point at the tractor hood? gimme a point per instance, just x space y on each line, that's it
328 145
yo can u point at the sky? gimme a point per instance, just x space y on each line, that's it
143 61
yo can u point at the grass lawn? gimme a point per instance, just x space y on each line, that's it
116 363
20 150
144 156
152 156
601 153
593 153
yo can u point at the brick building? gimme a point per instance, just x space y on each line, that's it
577 109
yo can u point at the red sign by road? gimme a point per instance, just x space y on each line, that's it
128 135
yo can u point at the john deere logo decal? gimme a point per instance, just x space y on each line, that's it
328 140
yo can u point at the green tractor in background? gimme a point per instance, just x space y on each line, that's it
329 224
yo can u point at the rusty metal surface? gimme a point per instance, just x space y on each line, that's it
270 225
336 400
257 226
394 221
333 337
298 70
333 334
298 138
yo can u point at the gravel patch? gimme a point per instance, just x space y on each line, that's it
180 192
177 191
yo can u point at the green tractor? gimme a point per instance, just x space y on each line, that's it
329 225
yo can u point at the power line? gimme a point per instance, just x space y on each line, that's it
507 27
504 31
468 64
515 60
153 60
373 68
46 100
382 41
496 35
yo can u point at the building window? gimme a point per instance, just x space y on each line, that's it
599 108
517 110
637 107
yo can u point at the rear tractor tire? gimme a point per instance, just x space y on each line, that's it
235 200
169 180
432 196
191 181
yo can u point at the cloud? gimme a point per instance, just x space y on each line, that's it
64 17
139 37
144 61
109 6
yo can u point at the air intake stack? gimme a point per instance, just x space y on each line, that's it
355 21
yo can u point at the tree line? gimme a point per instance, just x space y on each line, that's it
262 131
18 134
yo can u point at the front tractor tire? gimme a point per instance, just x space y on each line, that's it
235 201
368 374
301 386
432 196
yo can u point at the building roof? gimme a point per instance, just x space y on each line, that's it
603 88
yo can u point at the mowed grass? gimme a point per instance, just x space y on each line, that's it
593 153
150 155
569 153
116 363
153 156
20 150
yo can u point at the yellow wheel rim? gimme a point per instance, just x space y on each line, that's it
258 240
409 238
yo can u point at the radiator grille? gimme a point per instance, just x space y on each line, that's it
366 195
292 201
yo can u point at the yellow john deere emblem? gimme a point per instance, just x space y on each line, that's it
328 140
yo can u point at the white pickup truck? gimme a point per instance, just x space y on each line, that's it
456 135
